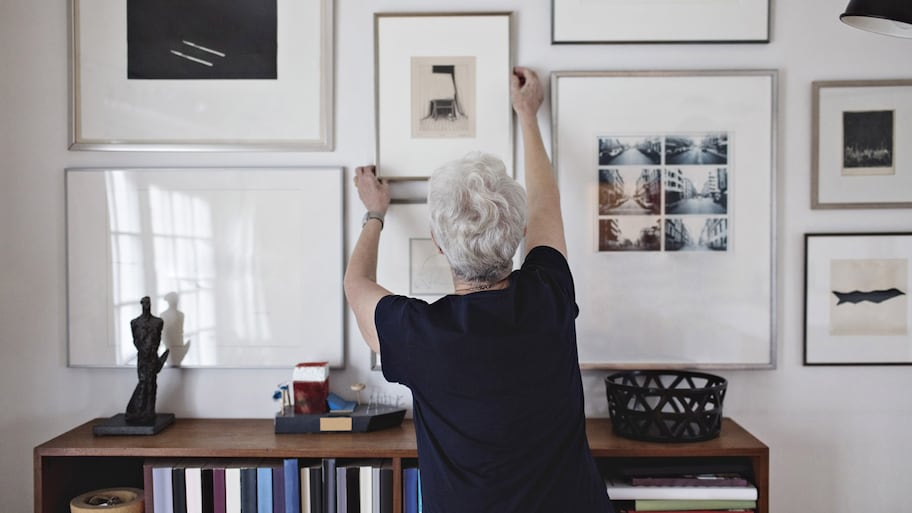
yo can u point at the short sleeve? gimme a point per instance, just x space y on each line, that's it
390 318
552 267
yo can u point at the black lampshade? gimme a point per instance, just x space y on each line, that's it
890 17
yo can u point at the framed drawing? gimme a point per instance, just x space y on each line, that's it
408 261
440 94
861 134
243 265
193 75
856 299
660 21
667 186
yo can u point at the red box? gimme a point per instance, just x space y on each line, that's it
310 387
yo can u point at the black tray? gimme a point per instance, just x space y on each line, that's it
363 419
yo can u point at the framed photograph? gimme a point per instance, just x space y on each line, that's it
856 299
861 135
243 265
667 188
442 91
195 75
660 21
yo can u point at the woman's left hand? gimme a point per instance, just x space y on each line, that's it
373 191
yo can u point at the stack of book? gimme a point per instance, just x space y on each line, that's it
268 486
690 493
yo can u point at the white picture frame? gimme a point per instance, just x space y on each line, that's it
244 265
860 146
660 21
637 307
856 299
115 107
404 42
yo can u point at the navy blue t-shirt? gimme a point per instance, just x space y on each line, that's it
498 399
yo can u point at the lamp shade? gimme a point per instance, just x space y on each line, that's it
890 17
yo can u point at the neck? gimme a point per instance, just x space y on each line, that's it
463 287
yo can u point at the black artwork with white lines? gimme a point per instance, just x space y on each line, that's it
202 39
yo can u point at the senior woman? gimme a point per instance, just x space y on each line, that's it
493 368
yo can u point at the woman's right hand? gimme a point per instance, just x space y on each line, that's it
373 191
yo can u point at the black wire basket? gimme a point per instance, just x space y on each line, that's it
665 405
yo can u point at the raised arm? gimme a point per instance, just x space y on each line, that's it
545 226
360 283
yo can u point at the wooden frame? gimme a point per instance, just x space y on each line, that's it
243 265
141 79
856 299
637 290
860 156
423 49
652 21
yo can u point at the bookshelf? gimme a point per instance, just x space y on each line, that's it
77 461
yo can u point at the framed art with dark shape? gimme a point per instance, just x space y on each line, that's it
856 299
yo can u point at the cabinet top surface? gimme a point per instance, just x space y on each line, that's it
256 438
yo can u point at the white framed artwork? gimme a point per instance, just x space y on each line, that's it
440 94
243 265
667 186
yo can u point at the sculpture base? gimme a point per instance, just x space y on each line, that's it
117 425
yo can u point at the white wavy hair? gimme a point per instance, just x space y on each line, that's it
478 216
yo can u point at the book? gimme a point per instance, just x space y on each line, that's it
219 504
263 488
710 479
624 490
161 487
207 487
278 486
348 490
179 488
329 485
232 489
410 490
194 488
248 489
693 504
148 499
291 488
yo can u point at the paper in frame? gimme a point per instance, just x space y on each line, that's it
659 21
442 90
244 265
860 145
657 297
289 107
856 299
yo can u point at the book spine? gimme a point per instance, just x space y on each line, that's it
248 490
264 489
162 489
292 485
329 485
207 487
365 484
317 498
219 491
278 488
148 496
410 490
193 491
179 489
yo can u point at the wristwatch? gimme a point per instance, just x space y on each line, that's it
372 215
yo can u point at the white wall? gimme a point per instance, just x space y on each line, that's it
838 436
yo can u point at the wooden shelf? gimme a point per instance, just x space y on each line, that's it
78 461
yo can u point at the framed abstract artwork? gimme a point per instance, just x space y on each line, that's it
441 94
659 21
667 187
856 299
862 130
195 75
244 265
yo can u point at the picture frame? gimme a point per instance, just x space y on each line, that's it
226 255
860 133
185 76
457 98
657 21
856 302
639 269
